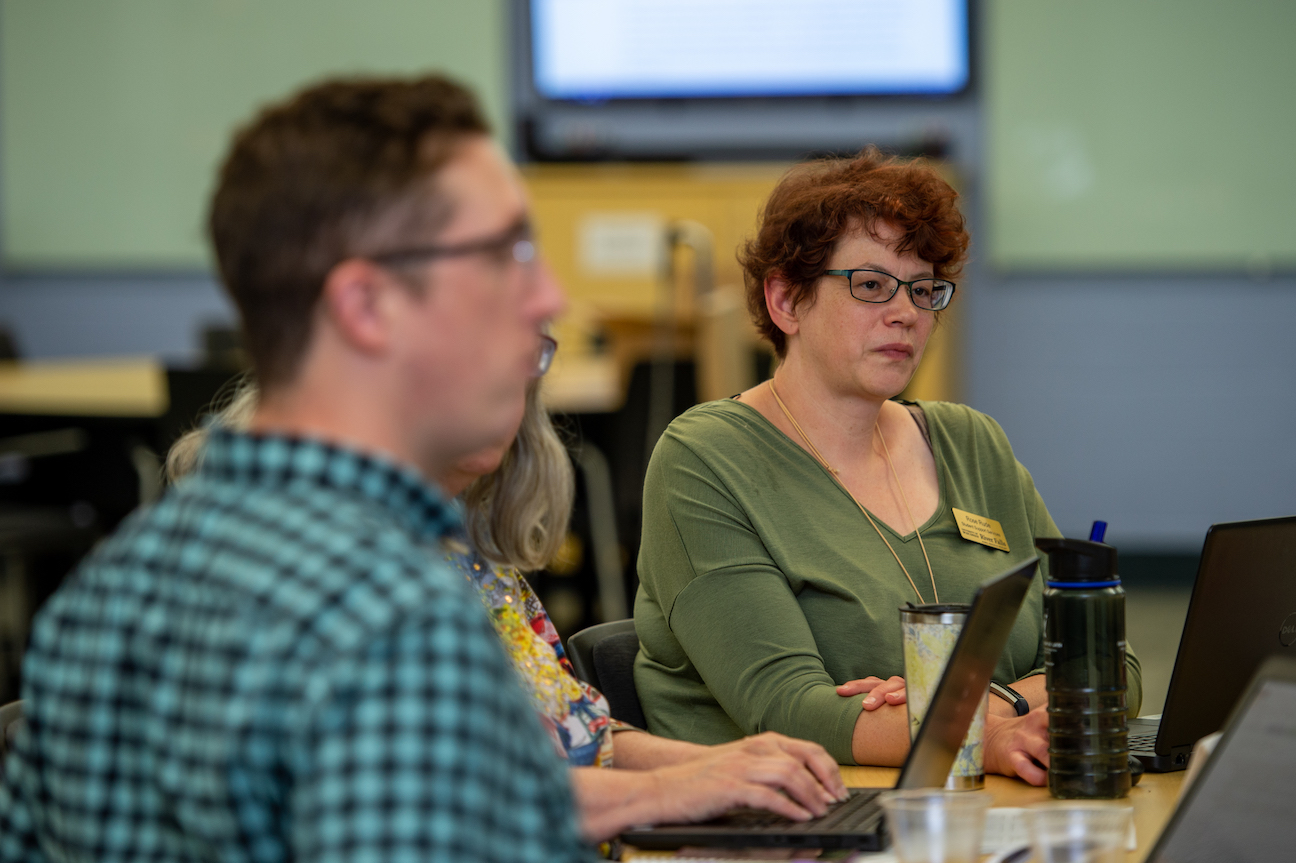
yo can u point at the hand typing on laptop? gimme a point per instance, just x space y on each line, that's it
793 778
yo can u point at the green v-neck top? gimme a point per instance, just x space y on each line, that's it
762 585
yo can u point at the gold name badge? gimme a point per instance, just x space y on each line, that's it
978 528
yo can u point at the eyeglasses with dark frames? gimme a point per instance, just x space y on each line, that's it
548 347
875 286
516 241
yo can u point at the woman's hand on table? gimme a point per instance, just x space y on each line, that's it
889 691
794 778
1018 745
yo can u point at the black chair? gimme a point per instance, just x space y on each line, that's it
603 656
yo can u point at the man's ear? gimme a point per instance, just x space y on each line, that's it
357 303
778 299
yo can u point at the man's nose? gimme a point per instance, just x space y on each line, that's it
547 299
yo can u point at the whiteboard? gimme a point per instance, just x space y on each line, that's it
1157 134
116 113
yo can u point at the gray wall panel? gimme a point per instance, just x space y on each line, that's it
1158 404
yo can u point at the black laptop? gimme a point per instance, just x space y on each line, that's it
1239 808
1243 609
857 822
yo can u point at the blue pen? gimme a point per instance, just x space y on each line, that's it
1098 531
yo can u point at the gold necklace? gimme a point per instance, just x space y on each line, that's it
836 475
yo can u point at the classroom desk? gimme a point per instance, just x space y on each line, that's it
137 386
119 387
1153 798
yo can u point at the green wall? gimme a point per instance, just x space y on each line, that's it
1122 134
116 112
1141 134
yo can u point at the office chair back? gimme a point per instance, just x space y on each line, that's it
11 717
603 656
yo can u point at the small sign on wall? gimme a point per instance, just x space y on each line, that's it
621 244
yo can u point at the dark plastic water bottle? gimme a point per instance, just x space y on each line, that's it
1084 660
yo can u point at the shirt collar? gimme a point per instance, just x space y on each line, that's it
277 460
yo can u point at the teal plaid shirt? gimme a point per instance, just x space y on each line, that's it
275 662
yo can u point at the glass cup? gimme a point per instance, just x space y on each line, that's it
929 634
1076 832
930 825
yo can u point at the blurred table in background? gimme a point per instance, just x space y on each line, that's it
138 387
125 387
81 445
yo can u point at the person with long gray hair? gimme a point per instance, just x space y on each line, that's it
516 499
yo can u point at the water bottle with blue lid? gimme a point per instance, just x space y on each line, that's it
1084 661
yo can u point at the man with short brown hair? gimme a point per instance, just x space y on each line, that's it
274 662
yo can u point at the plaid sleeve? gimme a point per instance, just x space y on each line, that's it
17 829
425 749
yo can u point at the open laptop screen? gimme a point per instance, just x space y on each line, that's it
1240 807
1243 598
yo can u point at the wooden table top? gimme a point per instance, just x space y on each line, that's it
122 387
137 386
1153 799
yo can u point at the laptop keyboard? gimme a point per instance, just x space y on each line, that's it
1142 742
860 811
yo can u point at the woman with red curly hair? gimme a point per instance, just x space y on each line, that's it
783 527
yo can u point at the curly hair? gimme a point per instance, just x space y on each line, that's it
816 203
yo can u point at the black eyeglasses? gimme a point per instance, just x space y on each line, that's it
874 286
516 240
548 347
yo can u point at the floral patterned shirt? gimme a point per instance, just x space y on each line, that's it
575 714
